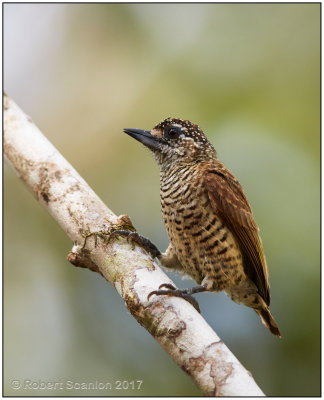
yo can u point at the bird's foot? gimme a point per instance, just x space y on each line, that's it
170 290
136 238
123 223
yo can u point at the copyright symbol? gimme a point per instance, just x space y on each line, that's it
15 384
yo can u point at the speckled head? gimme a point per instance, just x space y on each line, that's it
175 140
187 128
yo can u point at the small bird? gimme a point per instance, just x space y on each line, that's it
213 235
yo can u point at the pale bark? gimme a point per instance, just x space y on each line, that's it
173 322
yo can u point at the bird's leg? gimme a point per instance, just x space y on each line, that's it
173 291
186 294
123 223
124 228
135 237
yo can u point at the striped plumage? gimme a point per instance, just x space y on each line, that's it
203 244
213 236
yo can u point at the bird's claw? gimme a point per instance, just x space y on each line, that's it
167 286
129 235
170 290
136 238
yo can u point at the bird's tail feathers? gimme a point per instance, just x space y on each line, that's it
268 320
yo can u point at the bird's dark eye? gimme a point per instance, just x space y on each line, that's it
172 132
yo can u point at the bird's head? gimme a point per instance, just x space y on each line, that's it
175 140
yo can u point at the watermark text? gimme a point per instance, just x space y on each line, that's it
44 385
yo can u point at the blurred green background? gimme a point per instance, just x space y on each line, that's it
249 75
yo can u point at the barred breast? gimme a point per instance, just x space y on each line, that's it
204 246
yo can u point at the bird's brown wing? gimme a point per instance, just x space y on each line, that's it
229 202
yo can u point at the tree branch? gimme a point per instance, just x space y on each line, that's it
172 321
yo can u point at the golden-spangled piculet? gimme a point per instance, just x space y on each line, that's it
213 235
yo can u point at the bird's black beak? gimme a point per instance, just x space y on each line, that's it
144 137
